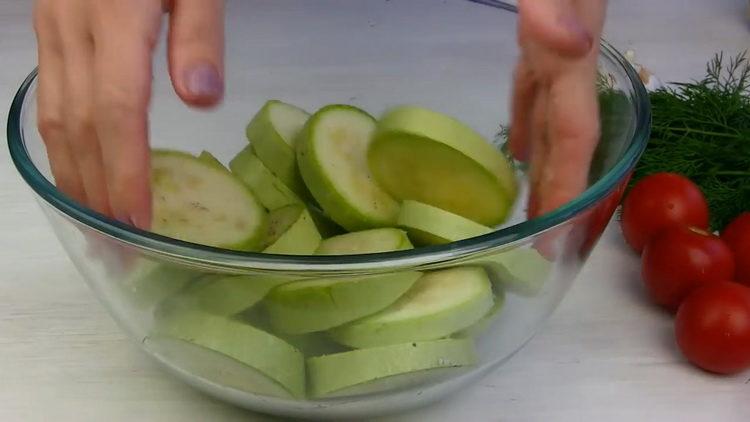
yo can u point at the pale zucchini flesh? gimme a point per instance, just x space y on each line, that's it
239 341
148 283
415 176
269 189
429 225
486 321
226 295
335 374
291 231
332 158
432 158
216 367
210 159
522 271
272 133
310 344
307 306
365 242
440 303
199 203
325 225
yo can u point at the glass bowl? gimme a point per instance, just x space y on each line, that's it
455 57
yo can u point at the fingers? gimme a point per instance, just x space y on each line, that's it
50 98
78 112
95 85
125 34
555 24
524 93
196 50
573 126
557 39
538 145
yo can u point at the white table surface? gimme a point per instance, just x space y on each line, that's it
604 355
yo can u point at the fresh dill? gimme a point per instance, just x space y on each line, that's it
701 130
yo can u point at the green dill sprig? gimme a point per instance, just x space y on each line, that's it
701 129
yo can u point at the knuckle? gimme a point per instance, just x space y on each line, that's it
80 130
80 123
51 125
83 128
40 14
45 18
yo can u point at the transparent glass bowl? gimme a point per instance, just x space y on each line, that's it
454 56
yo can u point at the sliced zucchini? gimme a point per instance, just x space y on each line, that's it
196 202
307 306
239 346
365 242
428 225
148 283
272 133
226 295
480 326
332 157
432 158
378 369
269 189
438 304
310 344
209 158
216 367
325 225
291 231
523 271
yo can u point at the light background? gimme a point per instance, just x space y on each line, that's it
604 355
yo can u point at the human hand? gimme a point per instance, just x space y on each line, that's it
94 89
555 112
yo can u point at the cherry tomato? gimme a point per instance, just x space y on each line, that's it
679 259
713 327
658 201
599 216
737 235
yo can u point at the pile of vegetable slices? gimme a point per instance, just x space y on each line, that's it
337 182
688 213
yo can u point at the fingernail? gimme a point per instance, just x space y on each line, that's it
574 25
203 81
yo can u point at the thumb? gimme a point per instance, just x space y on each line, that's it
556 25
196 50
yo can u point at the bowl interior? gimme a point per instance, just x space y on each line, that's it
370 54
453 56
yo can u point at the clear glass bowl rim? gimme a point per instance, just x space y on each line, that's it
215 257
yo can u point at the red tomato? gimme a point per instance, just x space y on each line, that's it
737 235
599 216
713 327
679 259
658 201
